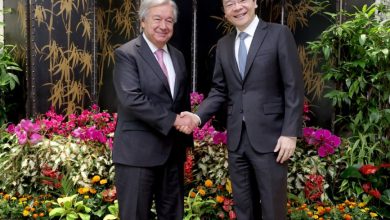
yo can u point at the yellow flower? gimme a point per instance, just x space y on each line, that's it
362 210
202 192
26 213
22 199
103 181
86 197
13 198
95 179
315 217
361 204
229 186
208 183
373 214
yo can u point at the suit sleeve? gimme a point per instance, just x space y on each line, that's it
291 73
132 98
218 93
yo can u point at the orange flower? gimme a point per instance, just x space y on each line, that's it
202 192
208 183
347 217
35 215
192 194
103 181
83 190
92 190
220 199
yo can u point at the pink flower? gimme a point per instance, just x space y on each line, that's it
232 214
35 138
220 138
11 128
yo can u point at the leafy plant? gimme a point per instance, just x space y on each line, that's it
374 184
8 78
355 55
69 208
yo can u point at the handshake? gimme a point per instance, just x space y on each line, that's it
186 122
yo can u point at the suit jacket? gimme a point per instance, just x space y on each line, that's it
144 135
269 97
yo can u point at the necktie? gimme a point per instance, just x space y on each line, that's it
160 53
242 53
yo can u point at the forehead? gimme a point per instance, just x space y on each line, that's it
165 9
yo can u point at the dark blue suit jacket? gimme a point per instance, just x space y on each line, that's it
145 135
270 97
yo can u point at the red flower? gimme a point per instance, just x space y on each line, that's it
375 193
385 165
314 187
368 169
366 187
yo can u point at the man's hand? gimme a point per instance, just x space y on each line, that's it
185 123
286 147
188 127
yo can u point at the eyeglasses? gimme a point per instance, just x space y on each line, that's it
230 4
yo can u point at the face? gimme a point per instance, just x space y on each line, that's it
158 24
239 12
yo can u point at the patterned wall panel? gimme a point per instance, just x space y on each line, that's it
61 55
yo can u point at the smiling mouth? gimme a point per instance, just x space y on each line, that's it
240 15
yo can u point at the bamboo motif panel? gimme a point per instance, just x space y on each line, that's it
62 55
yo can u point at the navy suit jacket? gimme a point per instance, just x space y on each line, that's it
269 97
145 135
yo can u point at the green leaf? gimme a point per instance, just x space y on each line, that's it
386 196
109 217
351 172
57 212
84 216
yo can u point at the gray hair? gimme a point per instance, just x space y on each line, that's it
147 4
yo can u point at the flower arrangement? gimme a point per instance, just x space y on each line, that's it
52 160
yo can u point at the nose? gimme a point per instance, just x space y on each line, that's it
237 6
163 24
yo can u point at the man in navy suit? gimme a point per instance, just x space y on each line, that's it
152 87
257 72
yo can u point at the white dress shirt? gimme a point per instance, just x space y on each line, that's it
167 61
250 30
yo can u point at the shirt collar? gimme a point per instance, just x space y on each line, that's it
251 28
153 47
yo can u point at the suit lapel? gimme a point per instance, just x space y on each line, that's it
232 57
148 56
178 71
258 39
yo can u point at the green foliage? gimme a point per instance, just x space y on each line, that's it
70 209
8 79
374 184
356 57
23 164
197 207
114 212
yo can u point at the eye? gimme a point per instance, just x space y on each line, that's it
169 21
229 5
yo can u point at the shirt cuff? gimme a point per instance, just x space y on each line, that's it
199 121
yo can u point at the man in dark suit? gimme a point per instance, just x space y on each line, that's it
257 72
152 87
